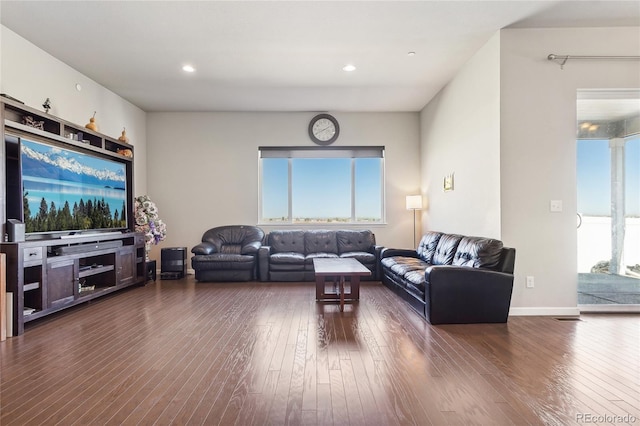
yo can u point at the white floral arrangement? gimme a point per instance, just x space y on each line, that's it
148 222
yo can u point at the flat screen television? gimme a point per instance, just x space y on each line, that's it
66 191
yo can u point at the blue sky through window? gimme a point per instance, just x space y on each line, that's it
321 189
368 192
594 177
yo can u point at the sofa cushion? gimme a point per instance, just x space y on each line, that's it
478 252
287 261
446 249
287 258
360 256
388 262
427 247
401 265
355 241
219 261
308 261
231 248
286 241
320 241
416 278
309 258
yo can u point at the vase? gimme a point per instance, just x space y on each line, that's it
123 137
92 123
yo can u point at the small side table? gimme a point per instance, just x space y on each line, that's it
150 267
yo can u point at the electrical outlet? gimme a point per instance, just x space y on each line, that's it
530 282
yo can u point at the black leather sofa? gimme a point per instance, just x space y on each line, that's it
228 253
453 279
287 255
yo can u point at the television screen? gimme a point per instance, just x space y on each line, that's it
65 190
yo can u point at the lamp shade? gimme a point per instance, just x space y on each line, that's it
414 202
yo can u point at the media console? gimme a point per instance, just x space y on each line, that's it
51 275
51 271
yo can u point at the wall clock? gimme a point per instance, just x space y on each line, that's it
324 129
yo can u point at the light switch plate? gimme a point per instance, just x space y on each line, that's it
555 206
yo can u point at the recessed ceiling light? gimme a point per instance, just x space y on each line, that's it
411 54
349 68
188 68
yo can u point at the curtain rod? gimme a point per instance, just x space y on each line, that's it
564 58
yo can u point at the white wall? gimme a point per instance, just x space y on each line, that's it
203 167
538 150
460 134
532 142
32 75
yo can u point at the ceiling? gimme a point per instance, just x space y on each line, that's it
284 56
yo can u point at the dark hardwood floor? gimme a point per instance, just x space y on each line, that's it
181 352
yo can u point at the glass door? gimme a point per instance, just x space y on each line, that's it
608 200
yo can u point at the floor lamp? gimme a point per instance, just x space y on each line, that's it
414 202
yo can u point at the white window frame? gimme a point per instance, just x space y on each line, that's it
353 152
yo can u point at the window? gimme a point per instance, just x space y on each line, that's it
321 185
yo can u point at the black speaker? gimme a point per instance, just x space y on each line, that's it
15 230
173 261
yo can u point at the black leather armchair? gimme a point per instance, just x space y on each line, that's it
228 253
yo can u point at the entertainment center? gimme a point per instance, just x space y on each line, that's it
69 192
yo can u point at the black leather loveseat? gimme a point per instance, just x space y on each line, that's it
228 253
288 255
453 279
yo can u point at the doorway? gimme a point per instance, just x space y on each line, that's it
608 200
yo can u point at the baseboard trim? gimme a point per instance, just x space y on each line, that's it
573 312
618 309
545 312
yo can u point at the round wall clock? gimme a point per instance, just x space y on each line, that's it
324 129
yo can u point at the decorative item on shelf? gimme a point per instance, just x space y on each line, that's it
126 152
123 137
148 222
92 123
28 120
46 105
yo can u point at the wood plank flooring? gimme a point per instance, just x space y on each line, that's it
181 352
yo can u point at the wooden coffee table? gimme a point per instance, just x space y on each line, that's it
338 269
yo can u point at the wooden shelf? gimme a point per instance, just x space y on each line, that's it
31 286
95 270
59 129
